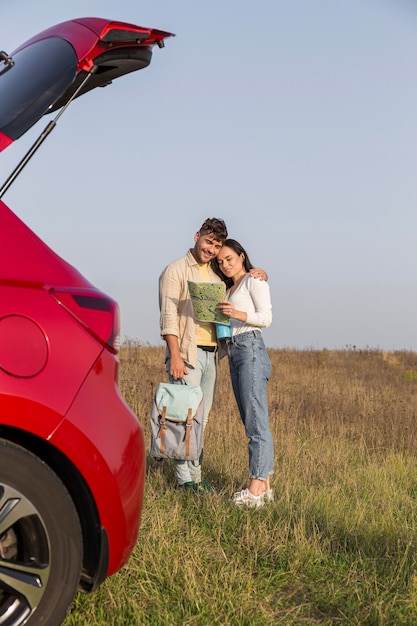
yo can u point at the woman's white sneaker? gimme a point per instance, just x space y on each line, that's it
246 498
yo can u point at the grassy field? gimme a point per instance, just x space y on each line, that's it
338 545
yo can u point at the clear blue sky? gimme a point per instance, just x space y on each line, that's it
295 121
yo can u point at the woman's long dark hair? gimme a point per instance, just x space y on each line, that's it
239 249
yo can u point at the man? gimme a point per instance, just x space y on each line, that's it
192 345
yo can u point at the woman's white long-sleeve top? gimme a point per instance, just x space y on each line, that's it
253 297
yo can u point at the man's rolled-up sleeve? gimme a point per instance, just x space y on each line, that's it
169 298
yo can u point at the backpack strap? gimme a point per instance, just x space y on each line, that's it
163 429
187 432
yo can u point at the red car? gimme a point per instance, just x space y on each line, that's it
72 458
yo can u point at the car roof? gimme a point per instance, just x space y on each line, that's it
66 61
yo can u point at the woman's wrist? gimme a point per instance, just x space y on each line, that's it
240 316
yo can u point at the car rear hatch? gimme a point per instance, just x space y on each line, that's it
74 57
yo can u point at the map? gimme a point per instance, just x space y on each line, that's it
205 298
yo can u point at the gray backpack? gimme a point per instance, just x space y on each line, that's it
177 422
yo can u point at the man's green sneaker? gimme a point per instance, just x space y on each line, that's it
198 488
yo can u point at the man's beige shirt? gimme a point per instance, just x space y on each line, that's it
177 316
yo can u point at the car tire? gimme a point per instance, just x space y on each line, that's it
40 541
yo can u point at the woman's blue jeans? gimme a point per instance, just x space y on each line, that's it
250 369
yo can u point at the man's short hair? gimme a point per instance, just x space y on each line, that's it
216 227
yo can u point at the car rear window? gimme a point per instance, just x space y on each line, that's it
40 74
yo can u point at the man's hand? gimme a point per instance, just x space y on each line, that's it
257 272
177 368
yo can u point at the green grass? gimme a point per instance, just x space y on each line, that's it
337 546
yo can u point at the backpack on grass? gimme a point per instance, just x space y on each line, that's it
177 422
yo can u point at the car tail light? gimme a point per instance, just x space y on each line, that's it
98 313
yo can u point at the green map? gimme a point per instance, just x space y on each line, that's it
205 298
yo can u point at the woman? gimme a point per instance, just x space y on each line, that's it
248 306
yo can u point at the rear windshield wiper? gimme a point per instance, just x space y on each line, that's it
8 61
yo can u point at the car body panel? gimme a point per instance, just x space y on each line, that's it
29 269
74 405
25 258
110 455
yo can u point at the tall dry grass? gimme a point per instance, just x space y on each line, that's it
338 545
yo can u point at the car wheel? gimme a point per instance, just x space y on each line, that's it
40 541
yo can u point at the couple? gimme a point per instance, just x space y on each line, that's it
192 347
